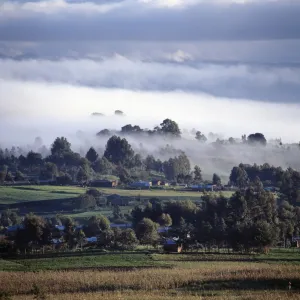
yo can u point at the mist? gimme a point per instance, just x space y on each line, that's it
223 66
51 110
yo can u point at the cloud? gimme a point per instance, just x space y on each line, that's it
149 20
249 81
40 103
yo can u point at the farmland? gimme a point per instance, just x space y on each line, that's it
188 276
51 200
18 194
163 194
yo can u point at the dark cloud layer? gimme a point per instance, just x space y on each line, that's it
129 20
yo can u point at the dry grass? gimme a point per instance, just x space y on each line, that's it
205 277
226 295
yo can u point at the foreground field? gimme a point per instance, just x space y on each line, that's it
225 295
118 260
188 276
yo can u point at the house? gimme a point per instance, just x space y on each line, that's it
203 187
117 200
210 187
182 185
103 183
12 230
171 246
141 185
156 182
297 241
91 240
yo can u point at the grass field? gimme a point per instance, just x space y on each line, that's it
194 276
168 193
106 211
81 262
18 194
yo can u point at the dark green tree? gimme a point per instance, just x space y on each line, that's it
119 151
146 232
98 224
82 175
92 155
170 127
165 220
200 137
197 175
60 146
49 171
103 166
216 179
257 139
34 159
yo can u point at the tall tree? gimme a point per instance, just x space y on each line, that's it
165 220
216 179
97 224
146 232
119 151
200 137
257 138
103 166
49 171
92 155
197 174
60 146
170 127
82 175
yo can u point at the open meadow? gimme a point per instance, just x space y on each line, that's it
18 194
155 276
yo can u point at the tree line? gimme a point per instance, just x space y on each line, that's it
287 182
250 220
64 166
171 129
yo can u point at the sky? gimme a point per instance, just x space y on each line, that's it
225 66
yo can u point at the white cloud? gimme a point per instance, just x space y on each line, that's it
35 105
179 56
267 83
10 9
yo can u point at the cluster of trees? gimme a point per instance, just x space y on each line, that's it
286 181
65 166
167 127
171 129
249 220
36 232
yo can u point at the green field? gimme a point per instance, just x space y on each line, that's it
80 262
168 193
135 259
106 211
18 194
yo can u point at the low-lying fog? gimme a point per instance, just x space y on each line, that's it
49 110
